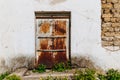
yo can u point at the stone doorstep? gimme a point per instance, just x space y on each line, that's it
38 76
20 72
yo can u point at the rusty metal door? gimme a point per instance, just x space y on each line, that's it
52 38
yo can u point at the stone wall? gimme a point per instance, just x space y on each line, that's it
110 23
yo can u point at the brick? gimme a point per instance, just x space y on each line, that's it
107 19
107 38
116 14
117 29
109 34
106 24
108 29
107 6
108 1
118 19
117 34
103 1
115 24
117 43
113 10
114 1
106 11
106 43
117 6
113 19
107 15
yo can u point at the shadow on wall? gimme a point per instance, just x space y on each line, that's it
85 62
53 2
11 64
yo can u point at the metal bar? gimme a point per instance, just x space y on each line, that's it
58 50
49 17
52 13
52 37
70 39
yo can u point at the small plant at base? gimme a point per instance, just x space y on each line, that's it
68 65
102 77
40 69
113 75
13 77
88 74
110 75
60 67
2 76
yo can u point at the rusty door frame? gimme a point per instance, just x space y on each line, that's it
54 15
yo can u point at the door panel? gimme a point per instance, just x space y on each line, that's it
60 43
46 58
59 27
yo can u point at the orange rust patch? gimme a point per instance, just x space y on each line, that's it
45 44
60 57
59 28
59 43
45 27
46 58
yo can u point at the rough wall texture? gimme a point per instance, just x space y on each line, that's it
111 23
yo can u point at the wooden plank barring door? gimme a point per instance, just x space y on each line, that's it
52 37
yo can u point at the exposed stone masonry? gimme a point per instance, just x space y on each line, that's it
110 23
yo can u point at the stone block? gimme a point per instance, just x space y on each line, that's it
107 6
108 1
118 19
117 43
107 29
107 38
115 24
113 10
107 43
107 19
103 1
107 24
107 15
117 29
106 11
109 34
117 15
117 6
113 19
115 1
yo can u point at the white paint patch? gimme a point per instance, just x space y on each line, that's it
17 29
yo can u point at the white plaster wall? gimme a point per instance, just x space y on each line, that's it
17 29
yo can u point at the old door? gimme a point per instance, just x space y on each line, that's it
52 37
